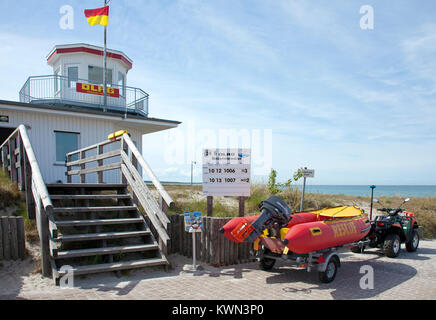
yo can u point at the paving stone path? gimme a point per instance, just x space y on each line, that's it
409 276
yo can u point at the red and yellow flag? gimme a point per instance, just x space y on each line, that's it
98 16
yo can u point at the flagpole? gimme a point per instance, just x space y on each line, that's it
105 66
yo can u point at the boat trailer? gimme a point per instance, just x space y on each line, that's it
325 261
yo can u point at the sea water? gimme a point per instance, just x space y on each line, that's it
380 190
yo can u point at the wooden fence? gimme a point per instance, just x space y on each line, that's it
211 246
12 239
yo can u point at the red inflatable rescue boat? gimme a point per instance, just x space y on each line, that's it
302 232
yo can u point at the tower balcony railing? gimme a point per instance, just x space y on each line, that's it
60 89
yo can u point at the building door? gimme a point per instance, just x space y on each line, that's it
5 133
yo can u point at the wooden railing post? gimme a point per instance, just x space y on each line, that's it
30 201
12 160
83 167
100 164
5 164
164 206
69 177
22 167
1 157
44 242
125 148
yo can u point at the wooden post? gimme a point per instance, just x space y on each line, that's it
82 167
235 252
14 239
6 238
125 148
181 231
69 177
5 157
99 164
164 205
1 241
226 246
21 238
203 255
1 157
12 159
30 201
209 206
241 206
22 167
44 241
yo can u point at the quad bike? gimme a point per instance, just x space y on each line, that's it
389 231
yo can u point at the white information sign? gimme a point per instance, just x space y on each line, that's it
226 172
308 173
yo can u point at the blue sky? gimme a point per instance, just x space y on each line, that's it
356 105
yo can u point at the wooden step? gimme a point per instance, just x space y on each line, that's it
93 209
106 250
87 185
89 196
106 267
97 222
102 235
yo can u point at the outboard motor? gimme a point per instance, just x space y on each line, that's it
272 211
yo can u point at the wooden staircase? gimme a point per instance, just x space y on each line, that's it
99 228
92 227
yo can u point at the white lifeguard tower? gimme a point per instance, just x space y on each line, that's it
65 110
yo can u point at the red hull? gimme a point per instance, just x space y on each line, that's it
314 236
308 232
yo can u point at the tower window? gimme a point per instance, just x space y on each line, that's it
66 142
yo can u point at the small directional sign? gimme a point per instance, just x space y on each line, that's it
308 173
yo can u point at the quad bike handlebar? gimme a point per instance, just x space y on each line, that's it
391 211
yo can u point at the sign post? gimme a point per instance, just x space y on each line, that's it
372 198
193 224
307 173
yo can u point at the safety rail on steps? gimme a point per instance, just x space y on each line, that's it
18 160
129 159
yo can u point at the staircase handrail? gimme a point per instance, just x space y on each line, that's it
162 192
30 180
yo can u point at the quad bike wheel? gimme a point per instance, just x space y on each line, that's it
392 245
329 274
412 245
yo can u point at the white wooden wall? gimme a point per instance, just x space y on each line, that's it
41 129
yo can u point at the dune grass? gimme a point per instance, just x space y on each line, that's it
9 193
13 202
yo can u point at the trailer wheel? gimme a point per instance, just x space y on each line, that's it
266 263
329 274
